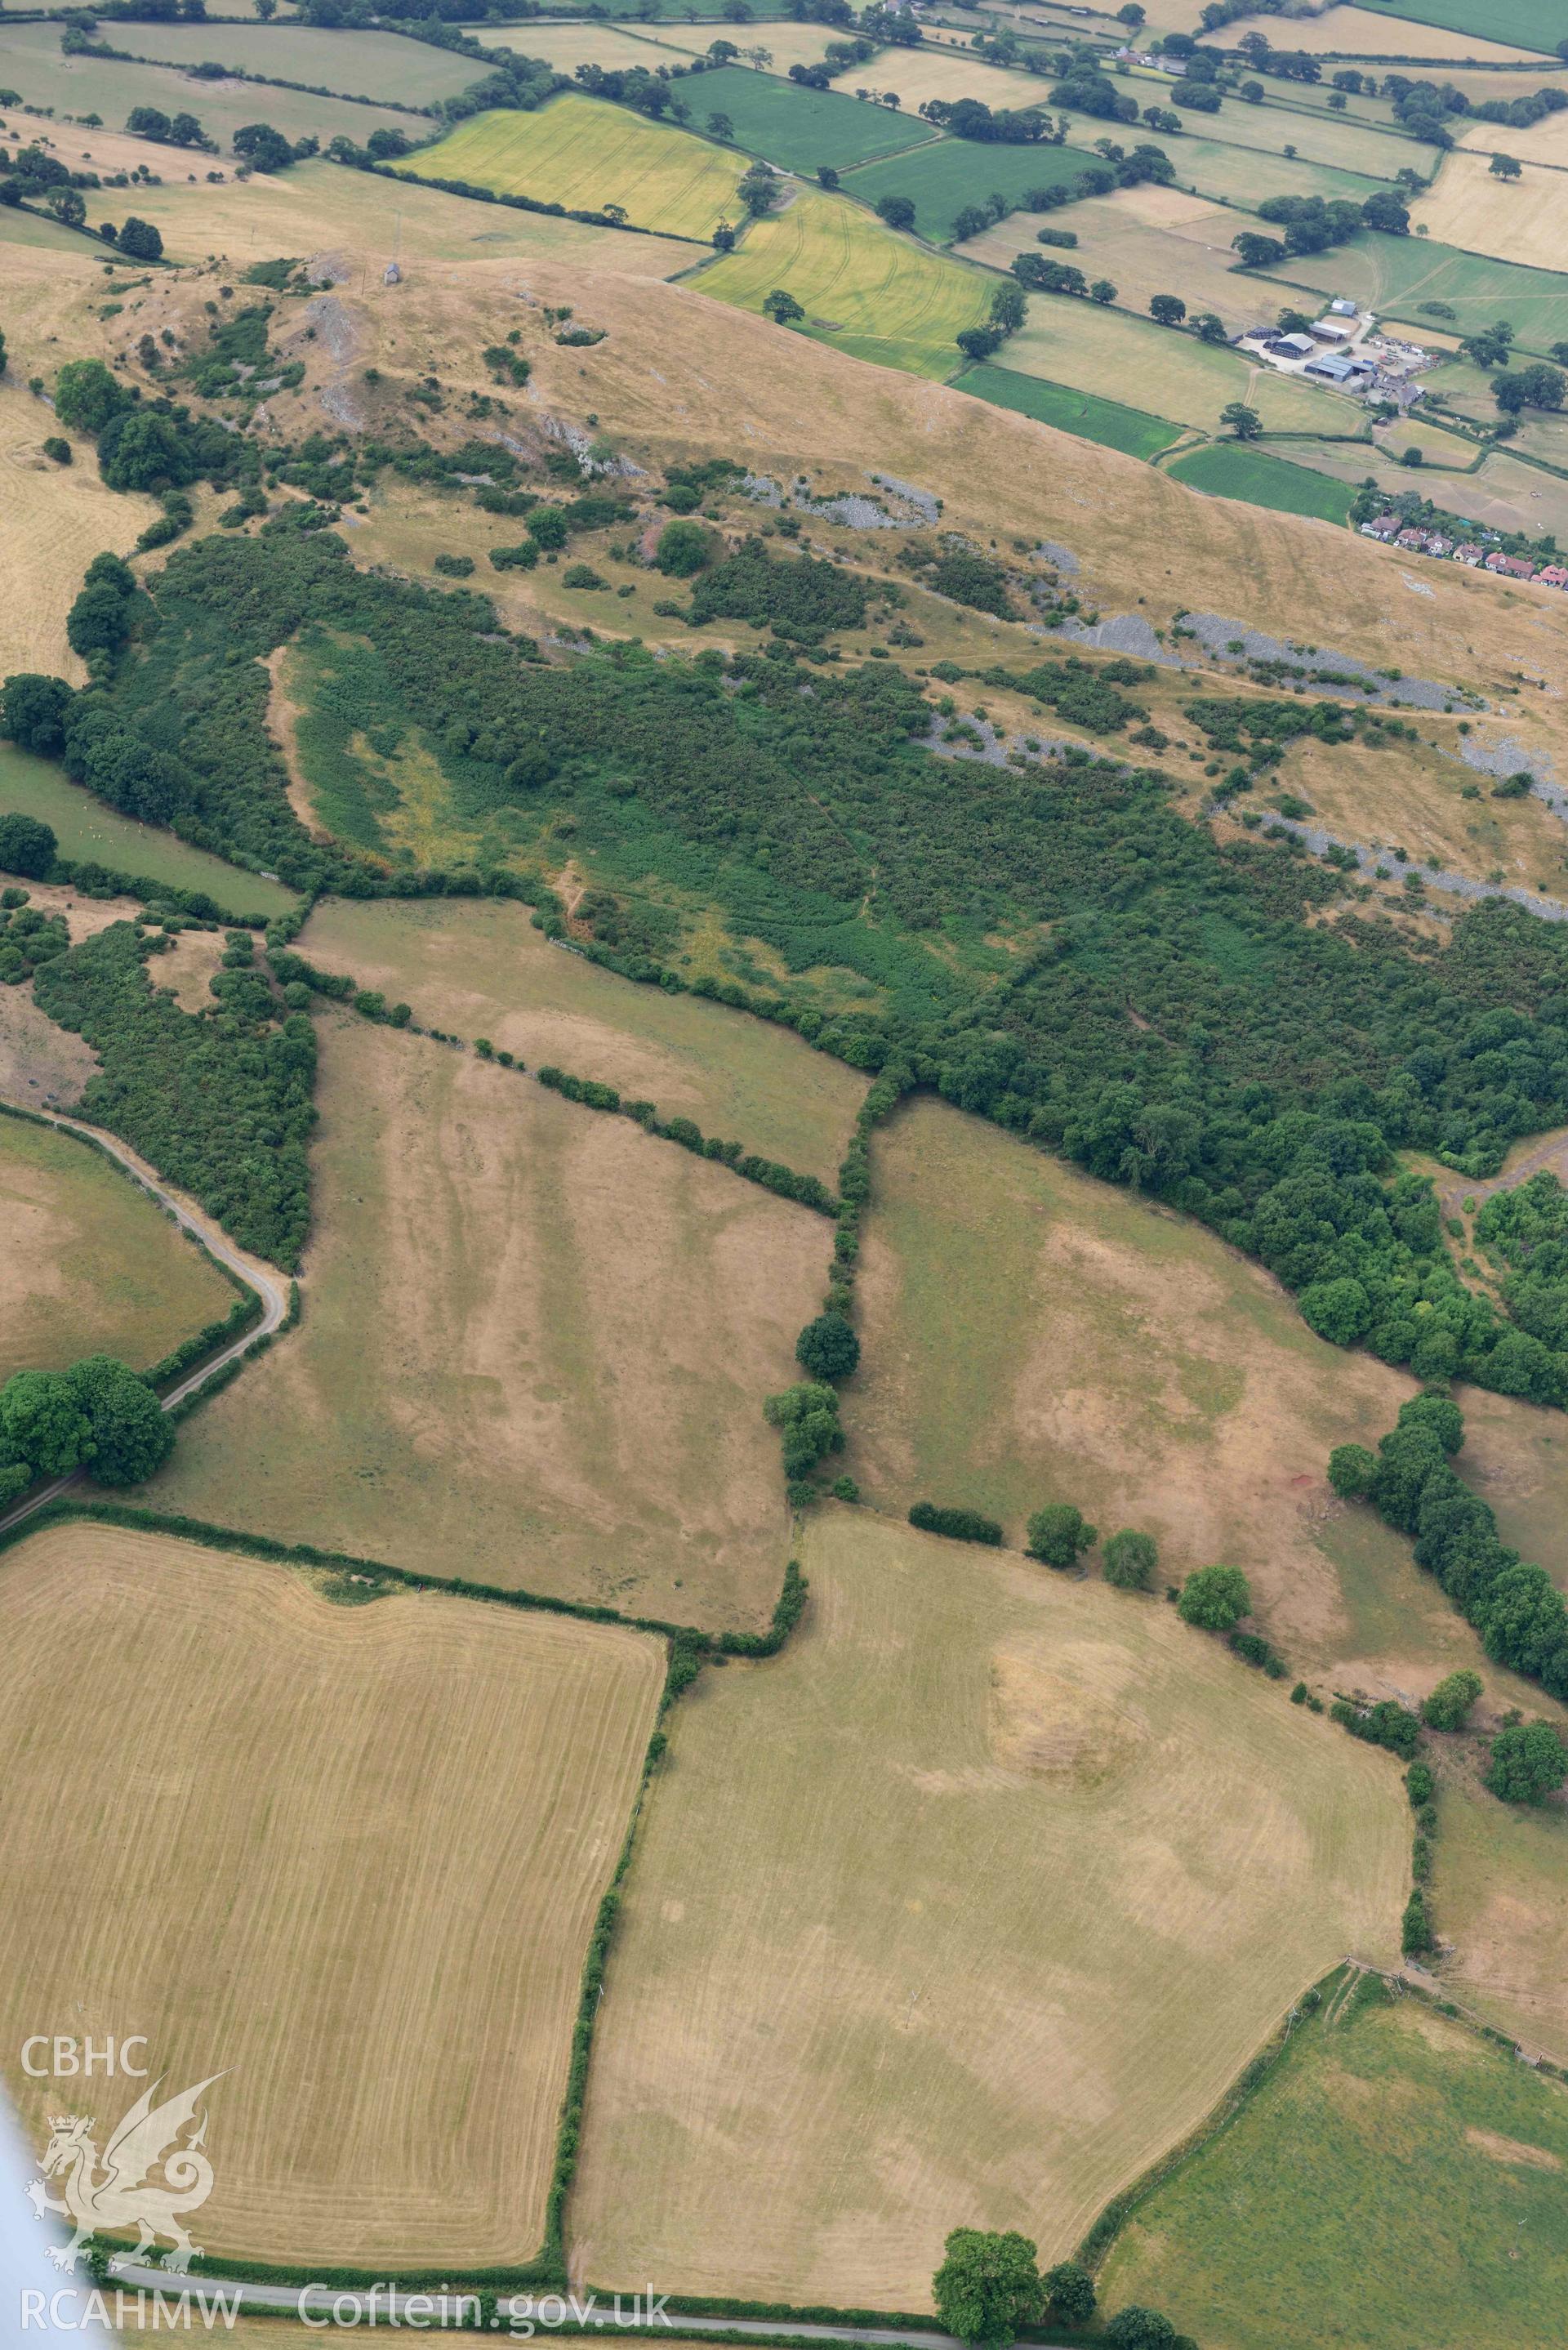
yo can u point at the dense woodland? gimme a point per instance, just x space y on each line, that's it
1169 1020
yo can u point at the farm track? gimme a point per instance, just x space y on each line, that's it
269 1286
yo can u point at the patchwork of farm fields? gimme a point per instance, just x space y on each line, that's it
864 290
330 1889
1148 241
1393 276
1018 1872
483 970
1106 352
1388 2143
31 63
585 154
567 1394
89 1266
799 128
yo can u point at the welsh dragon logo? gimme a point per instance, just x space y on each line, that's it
117 2189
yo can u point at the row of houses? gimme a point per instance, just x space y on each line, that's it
1394 531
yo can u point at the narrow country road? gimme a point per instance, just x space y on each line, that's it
270 1286
329 2308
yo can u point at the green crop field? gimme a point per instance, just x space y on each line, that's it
941 178
86 829
359 64
1109 351
1092 418
1324 139
31 63
1225 469
797 128
1532 24
1393 276
90 1265
1392 2163
863 289
585 154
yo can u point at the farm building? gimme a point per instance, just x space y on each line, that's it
1333 331
1338 366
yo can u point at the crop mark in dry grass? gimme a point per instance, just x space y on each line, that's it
1018 1871
534 1352
350 1856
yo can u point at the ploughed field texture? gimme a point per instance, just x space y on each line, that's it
346 1856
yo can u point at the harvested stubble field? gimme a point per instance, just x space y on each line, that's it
89 1266
534 1349
1392 2153
1501 1895
786 44
1109 351
355 1857
568 45
873 294
1393 276
31 63
1523 220
484 970
87 828
1421 33
941 67
1018 1872
1543 142
1146 240
583 154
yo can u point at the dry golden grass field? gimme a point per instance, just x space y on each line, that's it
941 68
89 1267
583 154
1537 142
1148 241
1016 1873
347 1855
1524 220
56 517
534 1349
1351 31
484 970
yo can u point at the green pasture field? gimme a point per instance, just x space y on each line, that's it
583 154
940 180
1530 23
1242 175
1396 2177
797 128
1069 340
1080 413
87 829
864 290
1391 275
31 63
1225 469
91 1265
359 64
